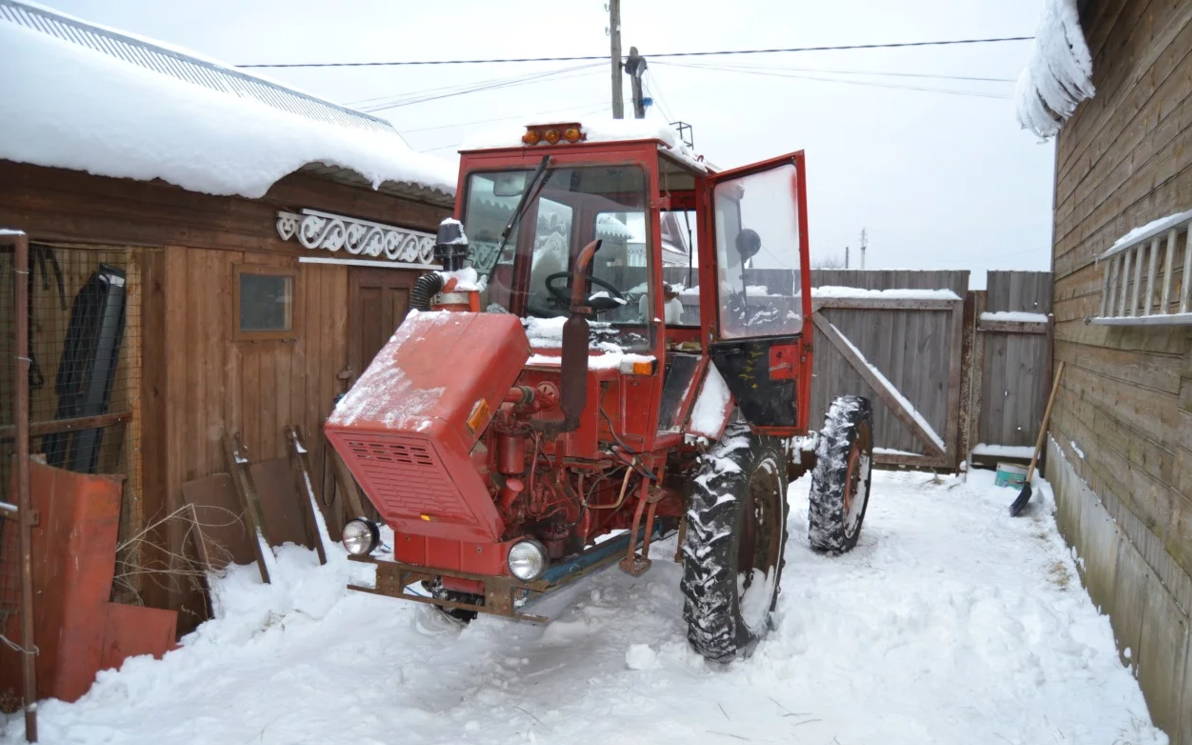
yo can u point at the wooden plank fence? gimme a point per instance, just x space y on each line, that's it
1012 358
945 367
901 352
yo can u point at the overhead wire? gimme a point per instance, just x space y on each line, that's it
462 86
602 107
870 84
476 88
500 119
661 55
876 73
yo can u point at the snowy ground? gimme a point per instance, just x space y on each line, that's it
950 623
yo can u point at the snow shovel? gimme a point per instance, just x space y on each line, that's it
1024 496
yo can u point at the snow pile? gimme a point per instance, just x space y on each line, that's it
1151 229
1015 316
1059 73
72 107
1004 451
466 280
949 623
600 130
605 361
709 411
898 294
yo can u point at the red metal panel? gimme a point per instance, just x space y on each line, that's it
402 430
131 630
444 553
74 558
784 361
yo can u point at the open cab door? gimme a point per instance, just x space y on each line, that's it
759 295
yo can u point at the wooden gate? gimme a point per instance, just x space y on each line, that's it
1011 362
894 337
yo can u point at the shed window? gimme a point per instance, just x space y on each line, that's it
264 303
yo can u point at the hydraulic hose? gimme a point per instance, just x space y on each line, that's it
425 288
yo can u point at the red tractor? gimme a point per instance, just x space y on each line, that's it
619 346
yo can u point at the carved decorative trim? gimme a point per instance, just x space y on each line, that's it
315 230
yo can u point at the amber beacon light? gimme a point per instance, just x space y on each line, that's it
553 134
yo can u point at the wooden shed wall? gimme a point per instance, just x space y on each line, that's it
196 381
1123 418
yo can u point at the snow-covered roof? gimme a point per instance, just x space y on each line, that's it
600 130
1059 73
94 99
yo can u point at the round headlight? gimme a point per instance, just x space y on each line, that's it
361 536
527 560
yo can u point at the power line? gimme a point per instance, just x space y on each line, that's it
870 84
876 73
476 88
604 57
498 119
477 84
602 107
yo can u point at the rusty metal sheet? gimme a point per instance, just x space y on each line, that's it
225 539
280 503
131 630
74 563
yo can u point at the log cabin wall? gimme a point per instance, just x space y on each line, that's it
1120 454
195 379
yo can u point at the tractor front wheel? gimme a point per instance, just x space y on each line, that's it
840 480
733 545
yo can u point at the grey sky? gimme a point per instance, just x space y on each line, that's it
940 181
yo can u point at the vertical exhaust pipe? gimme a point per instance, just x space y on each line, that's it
573 383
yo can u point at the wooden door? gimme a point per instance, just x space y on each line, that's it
378 300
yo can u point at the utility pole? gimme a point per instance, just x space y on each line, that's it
846 257
864 245
614 35
636 67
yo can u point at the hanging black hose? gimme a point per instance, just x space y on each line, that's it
425 288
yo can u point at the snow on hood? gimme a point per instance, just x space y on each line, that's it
600 130
77 108
1059 73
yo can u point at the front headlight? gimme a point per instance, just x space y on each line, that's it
361 536
527 560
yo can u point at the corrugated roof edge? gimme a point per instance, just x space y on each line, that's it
187 67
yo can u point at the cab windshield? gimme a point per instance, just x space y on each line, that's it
566 209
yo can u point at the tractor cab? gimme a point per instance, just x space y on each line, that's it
691 264
617 349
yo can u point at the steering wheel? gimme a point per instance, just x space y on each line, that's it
562 295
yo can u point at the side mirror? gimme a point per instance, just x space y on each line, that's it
748 244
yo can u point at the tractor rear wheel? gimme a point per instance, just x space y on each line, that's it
840 480
733 545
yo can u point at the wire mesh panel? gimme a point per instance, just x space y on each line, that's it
84 314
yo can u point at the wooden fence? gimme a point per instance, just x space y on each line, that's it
946 368
1011 358
901 349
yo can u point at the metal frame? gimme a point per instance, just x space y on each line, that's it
25 516
500 591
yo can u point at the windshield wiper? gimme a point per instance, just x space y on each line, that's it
531 186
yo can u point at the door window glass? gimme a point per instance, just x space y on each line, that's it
757 249
680 267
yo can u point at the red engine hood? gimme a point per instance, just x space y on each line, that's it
403 428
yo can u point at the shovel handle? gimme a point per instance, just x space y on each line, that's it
1055 386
